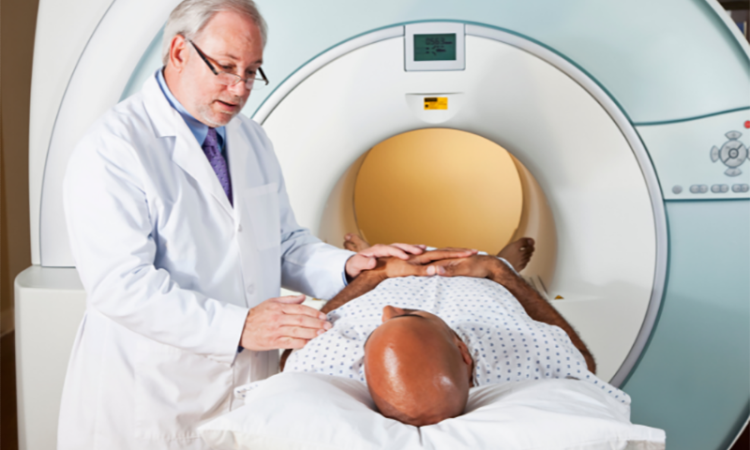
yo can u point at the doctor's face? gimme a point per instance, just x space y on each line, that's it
232 42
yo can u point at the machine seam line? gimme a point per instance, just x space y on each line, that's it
688 119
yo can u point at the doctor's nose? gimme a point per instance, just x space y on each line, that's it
239 89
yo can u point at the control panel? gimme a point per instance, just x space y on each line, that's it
434 46
703 159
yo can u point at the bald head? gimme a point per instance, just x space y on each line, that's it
418 370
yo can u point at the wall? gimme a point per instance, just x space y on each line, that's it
17 26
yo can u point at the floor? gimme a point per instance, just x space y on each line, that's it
9 424
8 421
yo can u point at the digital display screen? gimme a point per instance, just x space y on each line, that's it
435 47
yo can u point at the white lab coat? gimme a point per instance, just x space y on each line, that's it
171 269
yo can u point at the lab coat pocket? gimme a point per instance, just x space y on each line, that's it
261 209
175 391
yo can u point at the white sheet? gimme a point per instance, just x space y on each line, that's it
295 411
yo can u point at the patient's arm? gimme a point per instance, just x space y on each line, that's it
483 266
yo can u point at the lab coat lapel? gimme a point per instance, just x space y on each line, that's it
187 153
244 171
237 160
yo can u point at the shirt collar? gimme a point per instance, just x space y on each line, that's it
198 128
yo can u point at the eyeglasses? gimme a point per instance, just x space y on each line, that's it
231 79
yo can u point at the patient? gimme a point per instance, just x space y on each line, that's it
420 343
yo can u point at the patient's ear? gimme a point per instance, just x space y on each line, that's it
390 312
466 357
464 349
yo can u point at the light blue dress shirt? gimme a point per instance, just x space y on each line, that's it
199 129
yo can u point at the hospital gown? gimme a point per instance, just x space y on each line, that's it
506 344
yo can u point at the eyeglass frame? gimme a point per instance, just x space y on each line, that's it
206 58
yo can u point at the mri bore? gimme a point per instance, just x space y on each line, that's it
440 187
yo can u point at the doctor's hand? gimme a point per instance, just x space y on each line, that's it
282 322
367 256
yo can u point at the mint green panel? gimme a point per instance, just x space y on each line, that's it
661 60
693 379
688 157
150 61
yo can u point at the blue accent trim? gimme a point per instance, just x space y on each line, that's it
688 119
705 200
494 27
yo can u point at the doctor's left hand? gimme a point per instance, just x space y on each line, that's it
367 258
282 322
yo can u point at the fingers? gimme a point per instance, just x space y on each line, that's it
358 263
436 255
382 251
291 299
303 321
448 268
427 270
413 249
300 333
282 323
301 310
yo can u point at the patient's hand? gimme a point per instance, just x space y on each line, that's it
421 265
476 266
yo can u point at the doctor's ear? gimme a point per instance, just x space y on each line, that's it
178 52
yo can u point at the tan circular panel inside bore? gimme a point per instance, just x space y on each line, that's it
438 187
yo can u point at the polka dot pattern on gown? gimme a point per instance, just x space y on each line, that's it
506 344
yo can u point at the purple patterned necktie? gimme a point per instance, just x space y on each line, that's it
213 153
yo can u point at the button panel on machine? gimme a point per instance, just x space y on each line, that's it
703 159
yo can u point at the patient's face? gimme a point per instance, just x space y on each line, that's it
418 370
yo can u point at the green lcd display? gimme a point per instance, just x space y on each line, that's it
435 47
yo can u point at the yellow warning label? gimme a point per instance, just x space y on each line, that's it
436 103
558 297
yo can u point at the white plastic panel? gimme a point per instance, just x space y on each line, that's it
694 158
97 82
602 208
50 303
62 31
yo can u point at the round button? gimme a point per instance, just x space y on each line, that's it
677 189
747 124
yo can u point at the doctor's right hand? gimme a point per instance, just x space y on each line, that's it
282 322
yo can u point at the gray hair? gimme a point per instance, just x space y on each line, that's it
191 16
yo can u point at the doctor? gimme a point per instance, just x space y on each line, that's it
182 233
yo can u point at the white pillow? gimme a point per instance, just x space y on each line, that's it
296 411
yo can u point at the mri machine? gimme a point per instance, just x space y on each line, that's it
627 124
